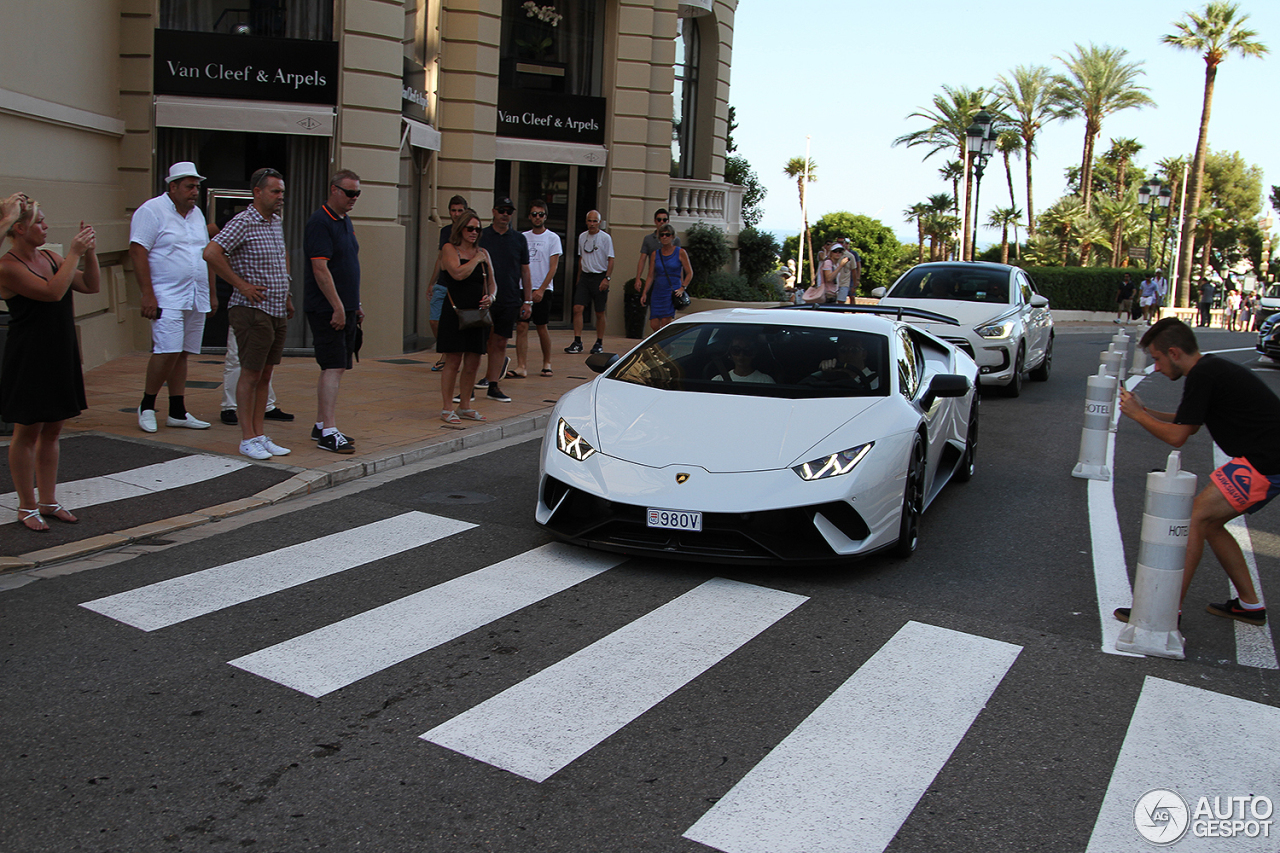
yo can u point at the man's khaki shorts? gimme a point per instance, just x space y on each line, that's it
259 336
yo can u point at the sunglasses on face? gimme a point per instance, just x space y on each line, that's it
506 210
538 214
349 193
472 228
661 219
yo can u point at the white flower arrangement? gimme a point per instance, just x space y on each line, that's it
546 14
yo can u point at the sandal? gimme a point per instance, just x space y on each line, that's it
471 415
438 366
511 374
546 371
26 516
450 417
65 518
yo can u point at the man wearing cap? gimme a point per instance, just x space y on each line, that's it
167 237
509 253
249 254
331 298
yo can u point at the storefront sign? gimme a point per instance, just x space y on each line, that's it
537 115
246 67
413 93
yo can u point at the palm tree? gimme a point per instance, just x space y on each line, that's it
1215 33
942 205
1002 218
952 113
1120 214
1098 82
1062 218
916 213
953 172
1091 233
1120 155
804 172
1209 220
1028 99
1008 142
940 228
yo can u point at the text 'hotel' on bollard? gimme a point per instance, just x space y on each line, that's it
1099 400
1157 584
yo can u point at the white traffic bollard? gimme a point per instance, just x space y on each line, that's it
1098 402
1139 362
1110 359
1157 585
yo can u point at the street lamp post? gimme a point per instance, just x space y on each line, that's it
980 142
1155 198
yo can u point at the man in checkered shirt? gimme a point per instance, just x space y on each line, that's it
249 253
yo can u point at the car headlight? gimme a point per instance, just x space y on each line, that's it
995 331
833 465
571 444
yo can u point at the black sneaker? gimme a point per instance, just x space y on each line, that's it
494 393
229 417
481 384
1122 613
1232 610
277 414
335 443
317 434
457 398
574 347
597 347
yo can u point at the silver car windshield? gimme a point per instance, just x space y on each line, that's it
794 362
966 284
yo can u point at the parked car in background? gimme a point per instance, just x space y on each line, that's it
1004 324
1269 337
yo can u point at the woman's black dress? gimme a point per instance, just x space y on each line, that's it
41 380
466 294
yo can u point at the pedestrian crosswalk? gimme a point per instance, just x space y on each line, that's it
135 482
845 779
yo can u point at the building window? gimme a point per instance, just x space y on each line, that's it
298 19
685 98
552 46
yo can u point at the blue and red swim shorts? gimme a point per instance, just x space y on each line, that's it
1244 487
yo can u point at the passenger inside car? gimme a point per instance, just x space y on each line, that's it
848 369
742 352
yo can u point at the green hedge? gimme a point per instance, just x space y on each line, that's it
1083 288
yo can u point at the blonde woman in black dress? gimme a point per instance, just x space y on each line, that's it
467 275
41 384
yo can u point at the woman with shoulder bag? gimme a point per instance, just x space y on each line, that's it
467 275
671 269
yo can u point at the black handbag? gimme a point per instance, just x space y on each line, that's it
471 318
681 300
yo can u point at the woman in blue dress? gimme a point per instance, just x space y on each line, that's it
669 274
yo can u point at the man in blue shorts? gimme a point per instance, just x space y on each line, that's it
1243 417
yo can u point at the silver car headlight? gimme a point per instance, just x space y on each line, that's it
571 444
995 331
833 465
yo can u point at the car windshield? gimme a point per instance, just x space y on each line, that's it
760 360
967 284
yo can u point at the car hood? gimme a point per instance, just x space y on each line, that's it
965 313
718 432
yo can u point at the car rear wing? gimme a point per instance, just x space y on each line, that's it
888 310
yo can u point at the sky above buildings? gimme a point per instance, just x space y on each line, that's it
848 75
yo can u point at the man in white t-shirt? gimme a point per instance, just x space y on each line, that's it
544 259
595 269
167 237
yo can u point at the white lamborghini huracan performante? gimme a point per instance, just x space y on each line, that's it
807 434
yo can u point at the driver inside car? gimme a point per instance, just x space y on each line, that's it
848 369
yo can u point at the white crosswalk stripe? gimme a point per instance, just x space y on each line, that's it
179 599
848 776
546 721
1194 743
147 480
337 655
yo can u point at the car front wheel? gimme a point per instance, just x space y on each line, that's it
1041 373
1014 388
968 464
912 503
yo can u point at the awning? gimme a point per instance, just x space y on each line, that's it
422 135
538 151
253 116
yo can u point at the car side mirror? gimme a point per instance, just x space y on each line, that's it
601 361
1038 301
878 292
945 385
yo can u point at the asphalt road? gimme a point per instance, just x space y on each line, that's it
474 687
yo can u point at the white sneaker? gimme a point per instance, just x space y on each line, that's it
273 448
253 448
146 419
190 422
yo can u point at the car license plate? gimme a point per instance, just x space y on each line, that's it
675 519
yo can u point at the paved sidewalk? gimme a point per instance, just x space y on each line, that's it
389 406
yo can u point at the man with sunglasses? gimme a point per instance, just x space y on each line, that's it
545 250
651 244
595 268
509 254
331 299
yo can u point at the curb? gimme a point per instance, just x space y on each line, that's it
304 483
